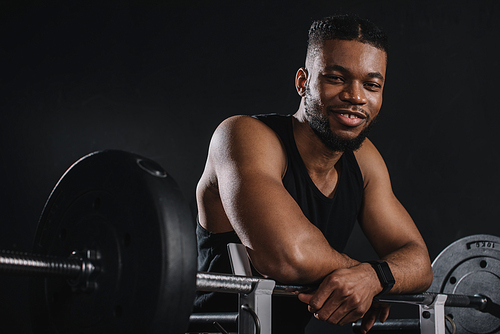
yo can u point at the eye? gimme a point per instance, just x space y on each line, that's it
335 78
372 86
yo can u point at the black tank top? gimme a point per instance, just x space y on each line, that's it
335 217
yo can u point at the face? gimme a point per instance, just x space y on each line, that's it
342 92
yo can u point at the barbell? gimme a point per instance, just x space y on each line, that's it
116 252
123 225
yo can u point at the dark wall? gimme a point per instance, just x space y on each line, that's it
156 80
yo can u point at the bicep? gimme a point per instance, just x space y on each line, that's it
249 162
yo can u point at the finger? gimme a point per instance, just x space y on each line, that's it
330 313
320 296
332 310
384 312
370 317
340 313
305 297
351 316
368 321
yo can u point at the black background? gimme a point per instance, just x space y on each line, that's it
157 78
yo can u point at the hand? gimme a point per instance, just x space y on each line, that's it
377 310
345 295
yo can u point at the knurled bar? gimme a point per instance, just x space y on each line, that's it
224 283
242 284
37 265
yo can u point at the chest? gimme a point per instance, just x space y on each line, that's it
331 204
326 183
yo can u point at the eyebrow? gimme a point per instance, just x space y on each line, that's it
340 68
376 75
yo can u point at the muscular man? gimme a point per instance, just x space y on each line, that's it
291 187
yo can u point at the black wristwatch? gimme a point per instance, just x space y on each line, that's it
384 275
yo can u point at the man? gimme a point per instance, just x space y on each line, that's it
291 187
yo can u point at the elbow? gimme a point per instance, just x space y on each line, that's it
288 268
423 276
427 280
427 274
282 272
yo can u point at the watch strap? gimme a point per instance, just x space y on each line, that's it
384 275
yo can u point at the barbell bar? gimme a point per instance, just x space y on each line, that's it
76 268
80 272
478 302
79 269
132 263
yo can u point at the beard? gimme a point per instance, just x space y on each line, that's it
320 124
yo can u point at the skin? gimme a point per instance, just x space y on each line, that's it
241 189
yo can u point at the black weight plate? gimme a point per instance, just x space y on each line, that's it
470 266
130 216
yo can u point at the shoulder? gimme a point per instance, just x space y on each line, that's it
247 141
242 125
367 152
243 132
370 162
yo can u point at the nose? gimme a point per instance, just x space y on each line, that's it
353 93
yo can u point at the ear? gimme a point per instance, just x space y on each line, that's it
301 81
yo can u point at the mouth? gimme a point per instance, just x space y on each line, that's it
350 118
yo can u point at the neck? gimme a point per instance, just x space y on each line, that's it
316 156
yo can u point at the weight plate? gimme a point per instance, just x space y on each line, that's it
129 216
470 266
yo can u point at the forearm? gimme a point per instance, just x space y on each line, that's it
306 263
411 268
282 244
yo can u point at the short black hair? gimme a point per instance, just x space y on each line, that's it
345 27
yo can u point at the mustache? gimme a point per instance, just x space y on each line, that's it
349 107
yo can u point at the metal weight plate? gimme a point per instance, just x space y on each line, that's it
129 216
470 266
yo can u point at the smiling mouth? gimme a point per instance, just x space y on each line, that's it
349 111
350 115
350 118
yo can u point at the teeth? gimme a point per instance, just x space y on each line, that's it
349 116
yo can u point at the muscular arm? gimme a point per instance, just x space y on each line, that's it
389 227
246 162
346 294
243 178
